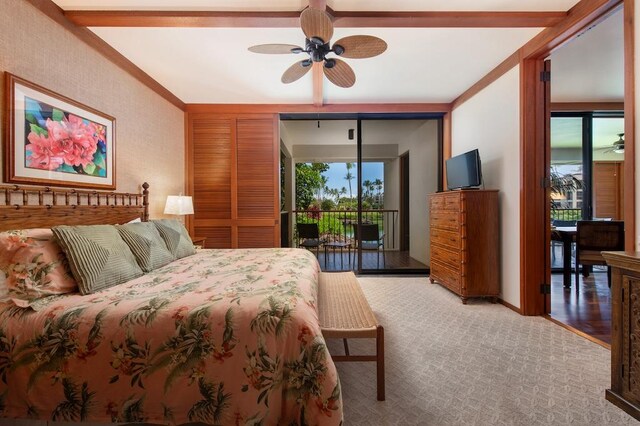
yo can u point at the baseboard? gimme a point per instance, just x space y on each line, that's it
510 306
578 332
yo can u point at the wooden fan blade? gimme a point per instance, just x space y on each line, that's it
361 46
341 74
316 23
294 72
273 48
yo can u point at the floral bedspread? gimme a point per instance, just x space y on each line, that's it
220 337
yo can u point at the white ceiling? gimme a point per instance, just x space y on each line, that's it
590 68
212 65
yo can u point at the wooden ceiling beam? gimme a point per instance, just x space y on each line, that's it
318 80
447 19
318 71
342 19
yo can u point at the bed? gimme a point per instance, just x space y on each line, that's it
219 337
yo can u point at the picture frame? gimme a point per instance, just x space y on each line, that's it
53 140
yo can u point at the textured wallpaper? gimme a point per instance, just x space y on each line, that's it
149 129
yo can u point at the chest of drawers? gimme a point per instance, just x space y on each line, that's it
464 239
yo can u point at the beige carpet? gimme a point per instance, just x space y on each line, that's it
480 364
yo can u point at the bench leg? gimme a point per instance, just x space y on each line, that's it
380 362
346 347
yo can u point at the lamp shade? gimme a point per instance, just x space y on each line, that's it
178 204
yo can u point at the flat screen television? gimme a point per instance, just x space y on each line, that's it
464 170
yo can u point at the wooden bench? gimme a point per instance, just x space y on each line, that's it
345 314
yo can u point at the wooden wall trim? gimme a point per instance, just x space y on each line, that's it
305 108
510 306
55 13
629 127
583 13
533 170
485 81
276 179
587 106
291 19
446 145
533 199
188 169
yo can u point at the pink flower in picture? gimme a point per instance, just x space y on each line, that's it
77 139
45 152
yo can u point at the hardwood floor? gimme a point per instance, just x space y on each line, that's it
588 309
394 260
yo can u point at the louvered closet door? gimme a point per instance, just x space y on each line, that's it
212 168
258 191
235 167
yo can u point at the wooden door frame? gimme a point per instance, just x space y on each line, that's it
534 222
404 201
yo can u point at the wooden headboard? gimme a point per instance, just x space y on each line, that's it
25 207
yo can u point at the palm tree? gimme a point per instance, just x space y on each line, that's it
336 194
378 184
348 177
366 185
323 183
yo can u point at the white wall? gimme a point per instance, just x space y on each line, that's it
490 121
392 193
423 180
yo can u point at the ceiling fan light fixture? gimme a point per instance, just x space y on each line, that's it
619 150
317 27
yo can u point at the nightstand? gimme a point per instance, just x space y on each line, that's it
199 242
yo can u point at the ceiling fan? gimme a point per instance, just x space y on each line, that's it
617 146
318 29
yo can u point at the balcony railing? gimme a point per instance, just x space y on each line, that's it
566 214
336 225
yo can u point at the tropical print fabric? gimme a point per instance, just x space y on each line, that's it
32 265
221 337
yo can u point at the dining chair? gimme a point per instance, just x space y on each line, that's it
555 243
371 240
594 237
309 236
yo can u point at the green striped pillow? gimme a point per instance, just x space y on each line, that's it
146 244
175 236
98 257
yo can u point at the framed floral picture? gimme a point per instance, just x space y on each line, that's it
53 140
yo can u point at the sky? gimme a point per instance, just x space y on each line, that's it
337 172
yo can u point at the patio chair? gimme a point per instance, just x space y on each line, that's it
309 236
594 237
371 240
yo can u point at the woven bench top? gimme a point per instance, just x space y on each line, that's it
342 307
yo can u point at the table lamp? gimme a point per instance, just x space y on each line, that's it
179 205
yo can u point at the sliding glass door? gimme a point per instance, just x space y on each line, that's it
362 181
